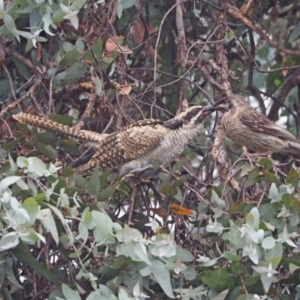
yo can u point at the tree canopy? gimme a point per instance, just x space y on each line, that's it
212 225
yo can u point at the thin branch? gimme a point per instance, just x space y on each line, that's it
235 13
21 99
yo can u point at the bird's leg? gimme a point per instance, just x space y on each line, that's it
247 156
256 154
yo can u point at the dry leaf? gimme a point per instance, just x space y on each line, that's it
125 89
139 31
159 211
284 71
180 210
111 44
124 50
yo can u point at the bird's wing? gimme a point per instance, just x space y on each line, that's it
126 145
260 123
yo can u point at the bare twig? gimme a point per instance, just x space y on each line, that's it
18 101
219 155
10 81
236 14
88 110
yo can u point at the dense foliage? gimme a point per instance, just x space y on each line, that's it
214 224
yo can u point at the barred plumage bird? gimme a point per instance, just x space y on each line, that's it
136 146
252 129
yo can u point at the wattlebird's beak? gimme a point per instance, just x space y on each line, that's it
208 110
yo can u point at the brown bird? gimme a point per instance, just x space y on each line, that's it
136 146
252 129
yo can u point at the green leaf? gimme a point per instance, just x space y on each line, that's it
266 163
25 256
106 193
10 145
268 242
217 279
46 218
69 146
162 276
34 18
274 255
221 296
295 33
3 154
94 186
67 172
291 202
169 190
292 177
75 254
31 205
21 68
217 200
23 128
270 177
246 168
274 193
178 166
183 254
8 241
103 224
65 120
7 272
179 182
139 250
74 73
47 150
127 3
250 281
119 10
46 137
40 197
96 51
231 257
253 178
69 293
237 207
6 182
11 26
70 58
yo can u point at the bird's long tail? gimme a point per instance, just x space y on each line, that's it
50 125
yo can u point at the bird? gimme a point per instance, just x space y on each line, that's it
253 130
136 146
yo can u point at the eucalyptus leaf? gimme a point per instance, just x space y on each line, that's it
75 72
162 276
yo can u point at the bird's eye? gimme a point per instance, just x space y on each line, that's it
194 112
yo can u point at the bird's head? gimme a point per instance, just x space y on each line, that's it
236 101
193 116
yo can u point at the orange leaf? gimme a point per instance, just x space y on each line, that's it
139 31
125 90
180 210
111 44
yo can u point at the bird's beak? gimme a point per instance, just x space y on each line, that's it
208 110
